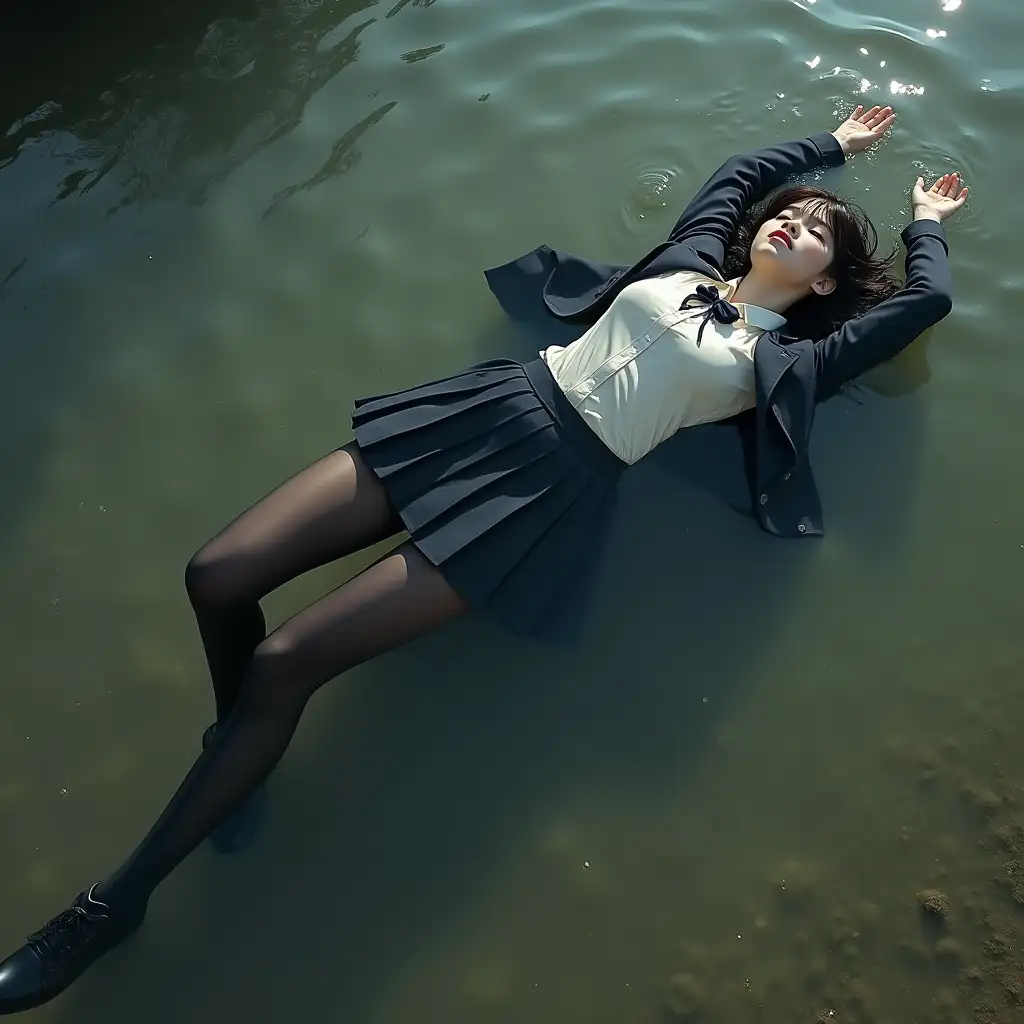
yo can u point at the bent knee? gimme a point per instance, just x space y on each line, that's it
211 579
277 672
278 653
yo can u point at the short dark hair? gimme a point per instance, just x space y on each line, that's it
863 277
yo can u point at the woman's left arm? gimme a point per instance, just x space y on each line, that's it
926 298
713 215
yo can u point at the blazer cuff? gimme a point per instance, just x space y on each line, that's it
918 228
828 145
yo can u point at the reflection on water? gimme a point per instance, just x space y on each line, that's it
778 781
214 93
343 157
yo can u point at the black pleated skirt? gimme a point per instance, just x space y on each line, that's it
501 485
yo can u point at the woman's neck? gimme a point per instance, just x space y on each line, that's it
755 290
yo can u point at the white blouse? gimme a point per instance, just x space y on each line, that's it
637 375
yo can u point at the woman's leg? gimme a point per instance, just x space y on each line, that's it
330 509
394 600
388 604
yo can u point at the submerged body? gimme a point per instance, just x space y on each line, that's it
505 475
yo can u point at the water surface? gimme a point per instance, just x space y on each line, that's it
221 225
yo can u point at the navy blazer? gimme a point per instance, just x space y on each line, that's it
791 375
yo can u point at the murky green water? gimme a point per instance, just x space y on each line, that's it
217 228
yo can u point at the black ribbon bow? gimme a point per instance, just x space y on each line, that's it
707 294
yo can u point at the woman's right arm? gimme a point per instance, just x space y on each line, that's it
715 212
713 215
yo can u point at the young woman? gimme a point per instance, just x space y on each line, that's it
504 475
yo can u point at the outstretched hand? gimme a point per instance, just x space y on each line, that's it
863 128
942 200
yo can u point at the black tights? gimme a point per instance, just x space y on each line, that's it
262 683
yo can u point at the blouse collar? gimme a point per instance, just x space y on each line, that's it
756 316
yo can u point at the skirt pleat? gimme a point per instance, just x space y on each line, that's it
559 555
439 465
431 409
501 485
524 517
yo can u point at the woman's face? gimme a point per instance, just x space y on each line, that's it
796 248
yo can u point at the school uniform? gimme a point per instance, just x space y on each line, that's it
505 475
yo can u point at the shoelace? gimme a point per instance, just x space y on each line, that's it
707 294
57 935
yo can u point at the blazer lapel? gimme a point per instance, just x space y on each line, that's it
772 361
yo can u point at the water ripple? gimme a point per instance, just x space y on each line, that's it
648 194
602 118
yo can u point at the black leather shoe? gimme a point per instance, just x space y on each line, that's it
61 950
239 830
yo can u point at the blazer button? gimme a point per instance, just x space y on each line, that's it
764 499
787 476
801 528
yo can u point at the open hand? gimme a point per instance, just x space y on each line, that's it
942 200
863 128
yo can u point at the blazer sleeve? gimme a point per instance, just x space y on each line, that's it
892 325
713 215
